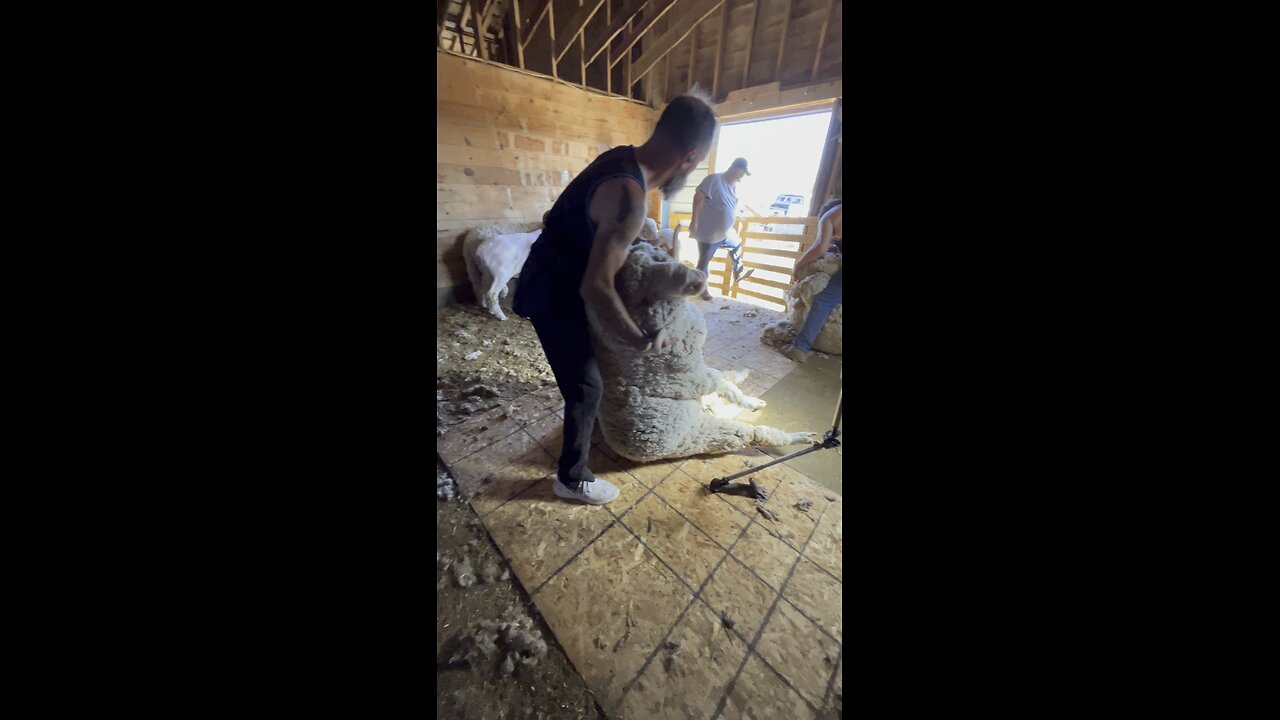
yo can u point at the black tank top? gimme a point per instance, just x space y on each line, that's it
552 274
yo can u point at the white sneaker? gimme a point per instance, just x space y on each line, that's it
597 492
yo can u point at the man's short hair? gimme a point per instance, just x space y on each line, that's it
688 122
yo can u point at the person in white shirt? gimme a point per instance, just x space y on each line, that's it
715 203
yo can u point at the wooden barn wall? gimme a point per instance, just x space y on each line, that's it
508 143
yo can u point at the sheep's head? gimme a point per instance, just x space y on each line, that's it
651 275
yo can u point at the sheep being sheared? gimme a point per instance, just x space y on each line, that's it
651 408
494 254
669 239
799 298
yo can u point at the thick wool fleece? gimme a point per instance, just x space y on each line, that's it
812 281
652 404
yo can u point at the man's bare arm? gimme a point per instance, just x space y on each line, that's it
618 211
699 197
826 230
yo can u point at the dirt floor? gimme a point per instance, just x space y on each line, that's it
483 619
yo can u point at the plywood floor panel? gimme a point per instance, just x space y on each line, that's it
661 565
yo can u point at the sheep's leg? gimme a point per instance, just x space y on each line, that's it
713 435
477 285
490 284
726 389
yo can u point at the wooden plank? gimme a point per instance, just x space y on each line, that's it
601 35
822 36
630 82
783 269
806 221
482 26
774 253
768 283
573 26
760 235
551 25
666 79
680 29
724 28
693 56
465 136
770 97
465 174
515 14
761 296
442 14
657 10
462 20
782 42
755 19
538 11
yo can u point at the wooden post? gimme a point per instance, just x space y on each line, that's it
551 25
515 11
666 80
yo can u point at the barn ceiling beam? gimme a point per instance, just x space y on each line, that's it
657 10
755 22
570 30
600 35
822 37
698 11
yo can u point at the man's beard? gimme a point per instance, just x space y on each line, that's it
675 185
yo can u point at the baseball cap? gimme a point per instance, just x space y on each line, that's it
741 163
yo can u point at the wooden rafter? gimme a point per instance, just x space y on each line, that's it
539 9
442 14
657 10
755 21
570 31
782 41
608 69
515 18
599 36
630 82
724 29
462 21
822 36
693 57
679 30
477 22
666 78
551 25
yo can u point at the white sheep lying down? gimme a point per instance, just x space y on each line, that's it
495 254
651 408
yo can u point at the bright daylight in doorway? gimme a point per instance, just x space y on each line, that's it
783 155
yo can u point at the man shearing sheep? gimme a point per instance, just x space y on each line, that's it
715 204
830 234
585 240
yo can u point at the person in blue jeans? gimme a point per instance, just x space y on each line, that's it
715 204
830 229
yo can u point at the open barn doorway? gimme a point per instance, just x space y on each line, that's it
784 155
